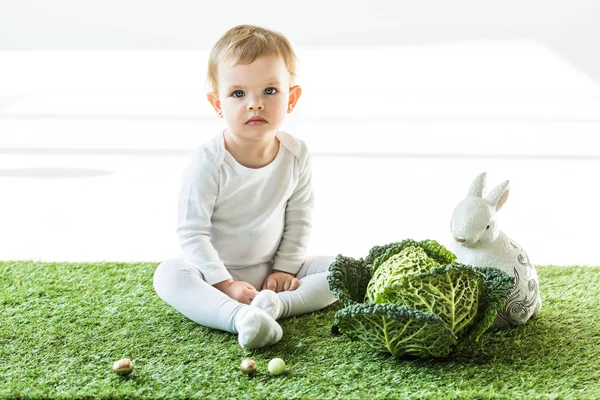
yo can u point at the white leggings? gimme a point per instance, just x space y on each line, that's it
180 284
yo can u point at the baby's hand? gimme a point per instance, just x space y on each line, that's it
238 290
279 281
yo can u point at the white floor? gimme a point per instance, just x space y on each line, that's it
93 144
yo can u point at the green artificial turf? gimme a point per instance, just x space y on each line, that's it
62 325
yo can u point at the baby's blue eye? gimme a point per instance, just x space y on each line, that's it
270 90
238 93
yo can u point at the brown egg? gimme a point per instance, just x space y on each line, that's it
123 367
248 366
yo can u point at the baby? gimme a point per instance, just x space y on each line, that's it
244 217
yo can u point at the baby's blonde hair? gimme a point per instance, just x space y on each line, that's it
244 44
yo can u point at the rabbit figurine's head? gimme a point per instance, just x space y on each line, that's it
474 218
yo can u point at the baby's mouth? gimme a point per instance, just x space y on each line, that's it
256 121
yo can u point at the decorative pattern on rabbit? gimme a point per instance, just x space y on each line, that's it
478 241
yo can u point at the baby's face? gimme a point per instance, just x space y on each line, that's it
260 89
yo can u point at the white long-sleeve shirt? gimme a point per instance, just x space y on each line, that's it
231 216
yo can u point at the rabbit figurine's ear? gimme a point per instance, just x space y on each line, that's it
478 185
498 196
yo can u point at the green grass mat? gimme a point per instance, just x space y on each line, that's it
63 325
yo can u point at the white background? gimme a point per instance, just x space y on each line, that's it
404 104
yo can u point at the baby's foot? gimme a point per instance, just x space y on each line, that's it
268 301
257 329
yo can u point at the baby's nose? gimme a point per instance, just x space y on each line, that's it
255 106
460 239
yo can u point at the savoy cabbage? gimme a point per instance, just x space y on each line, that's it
410 298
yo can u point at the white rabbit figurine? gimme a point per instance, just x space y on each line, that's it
479 242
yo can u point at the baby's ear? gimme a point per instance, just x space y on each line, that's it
214 101
478 185
295 93
498 196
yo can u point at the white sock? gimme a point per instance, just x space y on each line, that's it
256 328
268 301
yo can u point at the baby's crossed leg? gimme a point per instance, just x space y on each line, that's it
311 295
180 284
